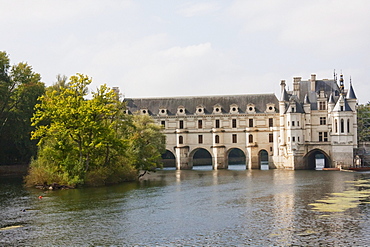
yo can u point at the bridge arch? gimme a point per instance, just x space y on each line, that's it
263 159
200 157
310 159
236 156
169 159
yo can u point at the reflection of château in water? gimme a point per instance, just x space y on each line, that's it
316 118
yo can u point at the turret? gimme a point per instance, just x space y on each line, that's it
351 97
331 103
306 104
283 98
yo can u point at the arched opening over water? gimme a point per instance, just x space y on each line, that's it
169 160
263 159
201 159
317 159
236 159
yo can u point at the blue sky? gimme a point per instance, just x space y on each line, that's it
157 48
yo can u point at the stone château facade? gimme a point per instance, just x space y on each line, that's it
317 120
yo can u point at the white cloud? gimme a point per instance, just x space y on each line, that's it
325 26
198 8
188 51
151 49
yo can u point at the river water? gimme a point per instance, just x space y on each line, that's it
193 208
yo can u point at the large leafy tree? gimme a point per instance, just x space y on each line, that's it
88 139
19 89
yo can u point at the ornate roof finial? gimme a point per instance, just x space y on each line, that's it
341 83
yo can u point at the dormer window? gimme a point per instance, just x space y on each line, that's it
181 110
144 111
200 110
322 105
251 108
270 107
217 109
162 111
234 109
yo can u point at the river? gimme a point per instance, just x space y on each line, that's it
194 208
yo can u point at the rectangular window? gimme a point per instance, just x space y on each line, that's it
234 123
217 123
163 123
200 124
235 138
323 136
200 139
293 138
322 120
322 105
250 122
293 123
271 122
271 138
181 124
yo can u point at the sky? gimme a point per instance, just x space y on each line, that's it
165 48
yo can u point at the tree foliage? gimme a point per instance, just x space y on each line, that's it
90 140
363 122
19 89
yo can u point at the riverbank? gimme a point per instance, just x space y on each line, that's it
13 170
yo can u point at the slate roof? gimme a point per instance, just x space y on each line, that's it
351 94
171 104
330 87
342 101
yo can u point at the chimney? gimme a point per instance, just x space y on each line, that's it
313 82
296 81
282 85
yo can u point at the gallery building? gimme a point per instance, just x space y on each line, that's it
312 126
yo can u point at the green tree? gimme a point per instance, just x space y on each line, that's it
19 89
363 122
147 144
79 130
90 140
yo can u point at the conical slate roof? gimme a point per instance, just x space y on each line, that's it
331 99
342 102
306 100
284 95
351 94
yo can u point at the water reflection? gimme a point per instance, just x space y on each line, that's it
189 208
